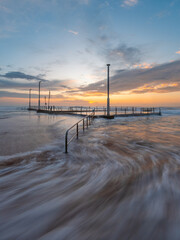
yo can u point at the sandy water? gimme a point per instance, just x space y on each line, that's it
120 180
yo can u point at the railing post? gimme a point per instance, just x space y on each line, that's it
83 125
159 111
66 142
77 131
87 122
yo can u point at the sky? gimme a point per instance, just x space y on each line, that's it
66 44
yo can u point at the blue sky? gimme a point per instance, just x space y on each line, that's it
68 43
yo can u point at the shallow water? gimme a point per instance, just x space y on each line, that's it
120 180
23 131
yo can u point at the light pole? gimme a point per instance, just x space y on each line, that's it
45 101
108 100
30 98
39 95
49 99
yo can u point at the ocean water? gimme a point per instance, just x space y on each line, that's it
120 180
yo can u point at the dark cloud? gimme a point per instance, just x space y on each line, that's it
124 54
167 75
13 84
104 38
20 75
16 95
8 80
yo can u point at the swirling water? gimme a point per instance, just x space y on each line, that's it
120 180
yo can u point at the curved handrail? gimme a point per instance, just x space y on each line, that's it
88 122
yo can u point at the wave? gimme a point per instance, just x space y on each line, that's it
120 180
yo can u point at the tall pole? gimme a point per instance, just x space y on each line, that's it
45 100
39 95
30 98
49 99
108 100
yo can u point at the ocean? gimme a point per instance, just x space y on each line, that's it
120 179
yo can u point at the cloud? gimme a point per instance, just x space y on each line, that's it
178 52
73 32
161 88
161 78
83 1
7 84
124 54
20 75
129 3
163 14
4 9
144 65
16 95
19 80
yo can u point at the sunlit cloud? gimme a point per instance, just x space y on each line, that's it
129 3
160 78
73 32
158 88
178 52
144 65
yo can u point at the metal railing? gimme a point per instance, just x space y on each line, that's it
86 121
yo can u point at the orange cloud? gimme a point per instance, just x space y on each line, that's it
178 52
163 87
144 65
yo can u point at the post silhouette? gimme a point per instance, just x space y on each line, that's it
39 104
108 99
30 98
49 99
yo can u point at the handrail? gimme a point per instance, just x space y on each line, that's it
88 119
